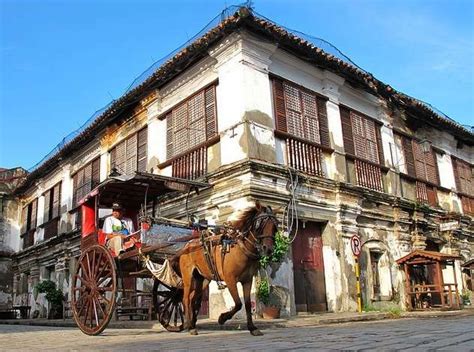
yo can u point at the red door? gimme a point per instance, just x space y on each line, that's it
308 267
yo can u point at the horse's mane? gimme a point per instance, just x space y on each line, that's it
243 222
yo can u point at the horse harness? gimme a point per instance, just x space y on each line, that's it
227 237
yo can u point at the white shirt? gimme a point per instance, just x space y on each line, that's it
112 224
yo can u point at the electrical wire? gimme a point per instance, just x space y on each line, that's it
290 213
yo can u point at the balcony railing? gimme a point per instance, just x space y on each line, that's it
426 194
304 156
368 175
191 165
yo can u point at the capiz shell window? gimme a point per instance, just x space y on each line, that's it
192 122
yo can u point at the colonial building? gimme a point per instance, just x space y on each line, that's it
261 113
9 180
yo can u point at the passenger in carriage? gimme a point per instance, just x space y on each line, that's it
117 229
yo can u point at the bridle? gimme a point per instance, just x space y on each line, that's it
255 232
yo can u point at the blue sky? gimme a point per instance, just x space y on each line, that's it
62 60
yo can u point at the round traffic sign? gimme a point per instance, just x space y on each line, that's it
356 245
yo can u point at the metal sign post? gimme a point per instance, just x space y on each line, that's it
356 247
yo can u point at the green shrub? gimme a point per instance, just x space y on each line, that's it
280 249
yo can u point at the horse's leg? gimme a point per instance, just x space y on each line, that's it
247 286
232 287
196 299
187 278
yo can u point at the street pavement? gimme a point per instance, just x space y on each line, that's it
446 333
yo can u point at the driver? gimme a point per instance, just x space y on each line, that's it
117 228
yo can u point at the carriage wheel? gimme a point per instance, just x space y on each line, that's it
94 290
168 303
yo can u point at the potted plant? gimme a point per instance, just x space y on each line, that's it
268 295
466 297
54 296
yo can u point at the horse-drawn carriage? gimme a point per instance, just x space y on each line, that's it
181 257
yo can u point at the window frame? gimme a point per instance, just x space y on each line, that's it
210 123
92 181
280 112
51 197
140 160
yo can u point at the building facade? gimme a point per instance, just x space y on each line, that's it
262 114
9 180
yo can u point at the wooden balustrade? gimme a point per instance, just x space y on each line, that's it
304 156
368 175
191 165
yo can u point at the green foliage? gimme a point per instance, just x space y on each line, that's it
280 249
369 308
53 295
466 295
263 291
395 312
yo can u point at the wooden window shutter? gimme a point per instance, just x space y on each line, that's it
169 136
95 173
431 167
464 173
454 162
34 213
196 124
432 196
180 129
370 147
87 185
408 155
419 161
280 109
24 219
359 136
74 188
211 112
142 149
120 156
56 201
309 108
47 206
378 131
113 159
131 155
323 122
347 131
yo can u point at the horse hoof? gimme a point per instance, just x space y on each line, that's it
193 332
256 332
221 320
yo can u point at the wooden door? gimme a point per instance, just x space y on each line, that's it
308 267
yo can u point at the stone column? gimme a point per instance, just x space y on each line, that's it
337 162
346 225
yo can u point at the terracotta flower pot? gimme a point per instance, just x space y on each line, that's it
271 312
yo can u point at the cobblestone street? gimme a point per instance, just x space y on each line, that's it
447 333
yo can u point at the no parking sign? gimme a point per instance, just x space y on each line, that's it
356 245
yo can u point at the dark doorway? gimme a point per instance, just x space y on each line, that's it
308 267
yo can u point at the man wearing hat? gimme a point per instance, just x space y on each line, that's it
117 228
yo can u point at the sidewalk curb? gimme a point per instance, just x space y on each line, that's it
297 321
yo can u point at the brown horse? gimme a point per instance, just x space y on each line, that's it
255 234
